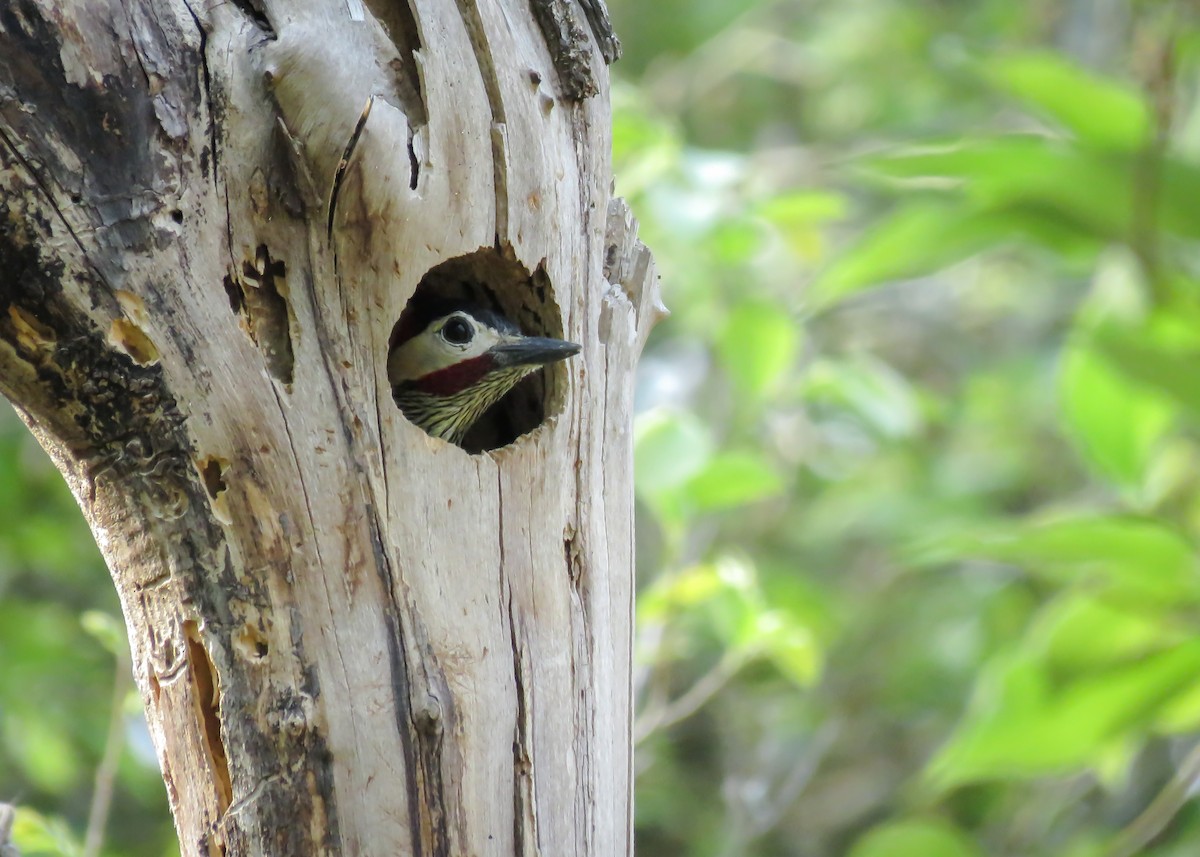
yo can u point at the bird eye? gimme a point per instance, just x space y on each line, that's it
457 331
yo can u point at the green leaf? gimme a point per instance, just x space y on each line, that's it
669 448
106 629
1178 189
1102 112
734 479
982 193
801 218
735 241
789 645
690 587
1181 714
1169 370
1080 632
1023 176
758 346
1134 557
802 208
37 835
735 614
644 146
914 838
1090 189
1022 724
1115 423
726 597
874 391
46 755
917 239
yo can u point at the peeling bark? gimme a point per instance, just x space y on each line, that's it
351 638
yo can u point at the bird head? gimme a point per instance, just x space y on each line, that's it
453 361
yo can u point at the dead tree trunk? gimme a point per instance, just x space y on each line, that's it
351 638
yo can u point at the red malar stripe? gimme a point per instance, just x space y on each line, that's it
456 378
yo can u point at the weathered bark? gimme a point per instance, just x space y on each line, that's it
350 638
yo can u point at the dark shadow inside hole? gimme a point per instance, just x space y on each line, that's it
495 291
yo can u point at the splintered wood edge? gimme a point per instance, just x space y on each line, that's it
629 266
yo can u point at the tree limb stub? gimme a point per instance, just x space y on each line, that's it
351 638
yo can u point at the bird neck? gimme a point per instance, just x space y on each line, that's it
450 415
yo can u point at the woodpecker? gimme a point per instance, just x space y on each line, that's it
453 360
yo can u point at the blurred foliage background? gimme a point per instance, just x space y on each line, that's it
917 450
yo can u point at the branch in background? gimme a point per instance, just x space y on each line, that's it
670 713
1166 805
106 773
8 814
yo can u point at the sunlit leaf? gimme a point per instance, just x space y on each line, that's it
1079 631
1086 188
1178 188
1137 557
914 838
37 835
758 346
645 147
726 598
46 755
801 218
805 207
1181 714
1089 188
1170 371
734 479
670 447
735 241
917 239
686 588
1100 111
736 613
1115 422
789 645
1024 724
106 629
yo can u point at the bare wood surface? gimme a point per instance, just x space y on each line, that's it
351 638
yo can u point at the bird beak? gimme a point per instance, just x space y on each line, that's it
532 351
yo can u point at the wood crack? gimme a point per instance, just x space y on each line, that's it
482 48
47 196
207 691
525 817
206 79
420 726
340 172
526 835
255 13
